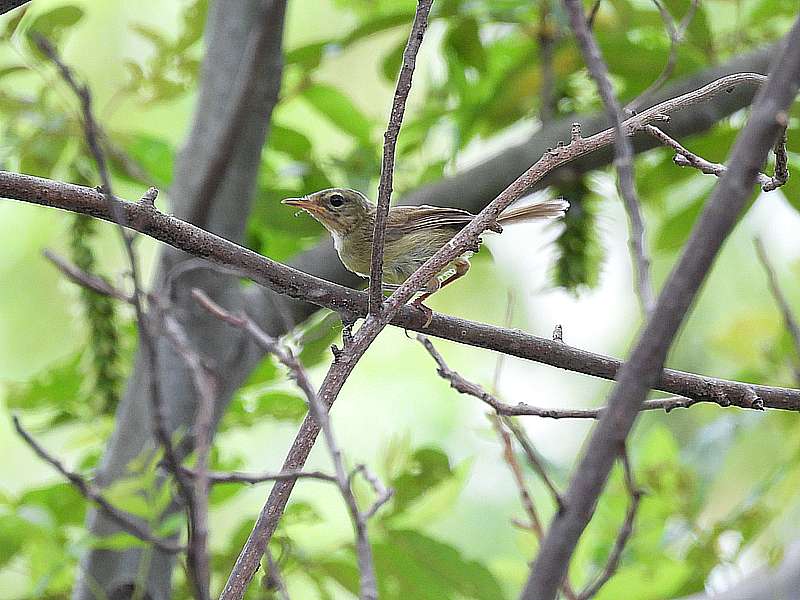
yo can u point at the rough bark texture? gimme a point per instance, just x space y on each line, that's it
230 22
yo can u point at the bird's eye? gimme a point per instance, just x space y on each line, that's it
336 200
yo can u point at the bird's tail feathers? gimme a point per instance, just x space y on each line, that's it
545 209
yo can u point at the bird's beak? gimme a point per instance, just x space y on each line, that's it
301 202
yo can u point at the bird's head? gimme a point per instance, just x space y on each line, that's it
338 209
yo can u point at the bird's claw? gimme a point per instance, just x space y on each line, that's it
425 311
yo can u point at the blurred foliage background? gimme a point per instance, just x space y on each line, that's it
721 484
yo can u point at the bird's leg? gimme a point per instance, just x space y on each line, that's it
461 266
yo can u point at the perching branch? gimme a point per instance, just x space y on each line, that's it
401 92
623 160
353 304
126 521
765 125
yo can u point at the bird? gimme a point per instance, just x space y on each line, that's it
413 234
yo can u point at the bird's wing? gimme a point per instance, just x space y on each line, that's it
408 219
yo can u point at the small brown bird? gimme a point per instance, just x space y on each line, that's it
413 233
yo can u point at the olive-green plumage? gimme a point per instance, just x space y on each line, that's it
413 233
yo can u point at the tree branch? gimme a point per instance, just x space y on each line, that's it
642 369
401 92
126 521
623 151
352 303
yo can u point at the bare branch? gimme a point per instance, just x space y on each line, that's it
215 477
126 521
206 387
765 125
783 304
535 524
119 216
464 386
623 150
676 33
612 563
686 158
88 280
401 92
352 304
534 460
236 585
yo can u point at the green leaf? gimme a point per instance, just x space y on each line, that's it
289 141
61 500
339 110
464 39
57 387
426 468
392 61
156 157
412 565
54 23
13 533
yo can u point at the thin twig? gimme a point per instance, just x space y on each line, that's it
206 388
276 580
623 151
88 280
119 216
625 531
464 386
676 33
217 477
782 302
534 460
369 584
89 491
687 158
534 522
401 92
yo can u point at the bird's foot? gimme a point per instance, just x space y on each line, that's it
425 311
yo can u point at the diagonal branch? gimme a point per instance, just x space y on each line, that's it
369 584
401 92
624 532
623 151
642 369
126 521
